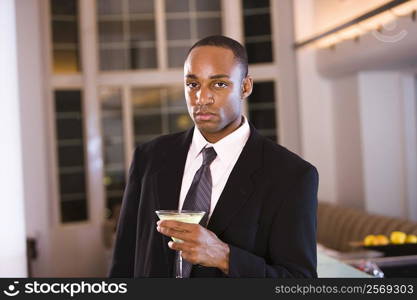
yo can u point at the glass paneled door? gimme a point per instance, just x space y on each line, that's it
75 245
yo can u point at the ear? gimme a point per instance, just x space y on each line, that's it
247 86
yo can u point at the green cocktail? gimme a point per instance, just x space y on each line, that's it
186 216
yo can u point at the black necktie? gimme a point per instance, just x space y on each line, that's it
199 195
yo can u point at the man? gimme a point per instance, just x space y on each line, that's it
260 198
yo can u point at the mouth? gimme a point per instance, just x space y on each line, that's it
203 116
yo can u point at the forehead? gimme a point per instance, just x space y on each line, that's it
205 61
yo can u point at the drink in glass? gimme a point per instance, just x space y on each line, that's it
186 216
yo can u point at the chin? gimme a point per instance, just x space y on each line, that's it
206 127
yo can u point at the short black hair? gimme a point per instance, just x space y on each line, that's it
225 42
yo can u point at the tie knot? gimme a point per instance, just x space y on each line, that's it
209 154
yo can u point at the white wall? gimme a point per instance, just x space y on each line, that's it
288 112
12 224
315 103
383 145
348 142
409 88
33 124
370 147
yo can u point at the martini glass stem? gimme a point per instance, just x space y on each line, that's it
179 265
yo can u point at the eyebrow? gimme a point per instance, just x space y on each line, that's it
192 76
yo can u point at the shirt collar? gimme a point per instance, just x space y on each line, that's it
227 147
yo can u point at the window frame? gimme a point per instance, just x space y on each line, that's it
91 79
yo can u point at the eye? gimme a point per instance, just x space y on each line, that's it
192 85
221 84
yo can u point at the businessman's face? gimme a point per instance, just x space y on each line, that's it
214 90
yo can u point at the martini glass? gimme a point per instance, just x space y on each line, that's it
186 216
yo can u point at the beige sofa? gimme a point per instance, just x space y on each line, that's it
338 225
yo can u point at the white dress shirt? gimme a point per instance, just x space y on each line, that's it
228 150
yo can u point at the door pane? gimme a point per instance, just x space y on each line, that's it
179 29
177 55
257 25
127 37
69 120
71 155
142 30
75 210
158 111
257 29
208 26
255 4
142 58
110 31
65 61
141 6
262 109
65 41
109 7
204 5
63 7
187 21
65 32
177 5
179 122
113 59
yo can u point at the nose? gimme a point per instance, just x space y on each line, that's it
204 97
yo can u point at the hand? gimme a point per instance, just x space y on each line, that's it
200 245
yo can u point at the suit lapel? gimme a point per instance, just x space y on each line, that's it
239 186
169 177
167 185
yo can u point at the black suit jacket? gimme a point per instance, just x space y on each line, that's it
266 212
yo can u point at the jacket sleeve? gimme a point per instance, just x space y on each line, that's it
292 241
123 260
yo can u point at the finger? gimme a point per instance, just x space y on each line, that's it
184 246
182 235
180 226
190 256
188 251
